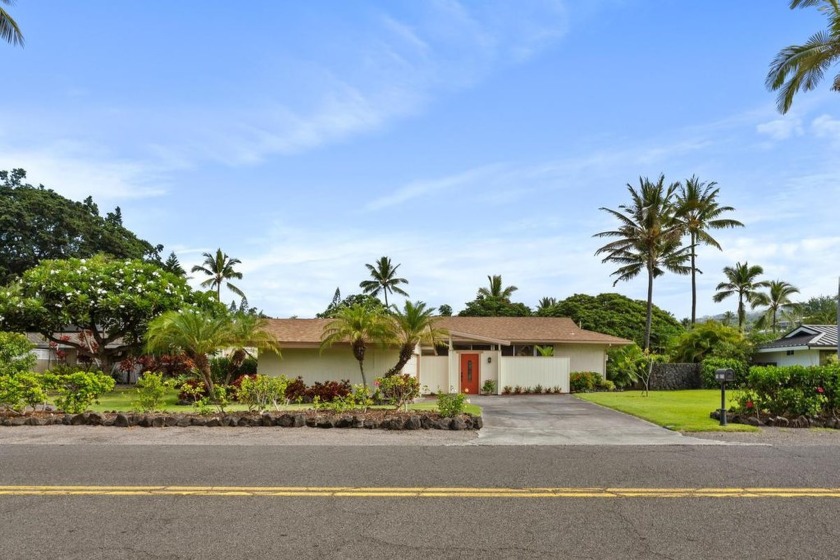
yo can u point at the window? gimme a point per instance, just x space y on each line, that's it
789 353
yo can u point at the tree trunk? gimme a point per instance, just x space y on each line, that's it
649 309
203 365
405 355
236 361
741 313
693 282
359 353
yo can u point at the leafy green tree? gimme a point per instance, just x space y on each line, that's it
358 325
366 300
219 268
9 30
15 354
494 307
414 324
802 67
710 340
497 289
445 310
742 282
618 315
544 305
110 302
383 279
699 212
776 299
626 365
38 224
820 310
647 238
173 265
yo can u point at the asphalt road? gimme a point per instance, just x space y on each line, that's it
109 525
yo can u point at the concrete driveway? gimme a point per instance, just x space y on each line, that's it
565 420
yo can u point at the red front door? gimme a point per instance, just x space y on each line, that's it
469 373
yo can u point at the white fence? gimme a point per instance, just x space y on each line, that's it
434 373
530 372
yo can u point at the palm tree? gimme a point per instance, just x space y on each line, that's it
358 325
220 269
545 304
776 299
248 331
496 289
801 67
414 324
9 30
741 282
195 333
699 211
648 238
383 279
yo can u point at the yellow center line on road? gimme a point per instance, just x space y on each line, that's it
417 492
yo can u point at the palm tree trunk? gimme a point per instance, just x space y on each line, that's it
693 282
648 319
358 347
741 312
203 365
405 355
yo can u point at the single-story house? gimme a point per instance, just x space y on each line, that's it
806 345
508 350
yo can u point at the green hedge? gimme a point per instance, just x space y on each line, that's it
588 381
709 365
791 390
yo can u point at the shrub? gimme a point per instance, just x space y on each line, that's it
296 390
191 390
260 391
360 398
399 390
77 391
538 389
450 404
22 390
710 340
588 381
625 365
15 354
792 390
517 390
151 390
489 387
709 365
328 391
507 390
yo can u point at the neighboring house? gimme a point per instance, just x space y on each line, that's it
502 349
806 345
49 354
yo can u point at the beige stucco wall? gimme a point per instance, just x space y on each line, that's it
333 364
583 357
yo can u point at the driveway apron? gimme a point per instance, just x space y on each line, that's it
565 420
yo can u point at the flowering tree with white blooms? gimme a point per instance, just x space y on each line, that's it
110 302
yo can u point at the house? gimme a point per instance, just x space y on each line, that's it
508 350
806 345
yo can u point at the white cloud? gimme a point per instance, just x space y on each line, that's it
781 129
826 126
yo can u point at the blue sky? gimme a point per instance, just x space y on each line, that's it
461 139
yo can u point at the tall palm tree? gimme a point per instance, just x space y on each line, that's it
414 324
545 304
219 268
249 331
384 279
801 67
195 333
9 30
648 238
699 211
497 289
358 324
776 299
741 281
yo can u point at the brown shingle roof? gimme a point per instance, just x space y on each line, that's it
510 329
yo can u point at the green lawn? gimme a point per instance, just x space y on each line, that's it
684 411
121 399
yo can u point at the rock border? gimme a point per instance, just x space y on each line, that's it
388 420
778 421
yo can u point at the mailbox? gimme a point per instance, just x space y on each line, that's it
724 375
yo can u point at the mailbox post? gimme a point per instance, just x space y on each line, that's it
723 376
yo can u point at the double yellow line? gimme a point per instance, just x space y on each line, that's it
418 492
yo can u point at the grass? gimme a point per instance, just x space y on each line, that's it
684 411
121 399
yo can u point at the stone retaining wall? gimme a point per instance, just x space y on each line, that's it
672 377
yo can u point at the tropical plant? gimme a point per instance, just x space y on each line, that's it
249 331
414 324
707 340
801 67
742 282
545 305
496 289
383 279
358 325
699 212
219 268
9 30
445 310
777 298
820 310
195 333
648 238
